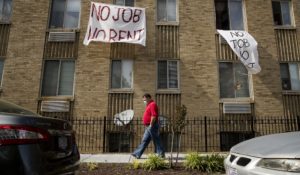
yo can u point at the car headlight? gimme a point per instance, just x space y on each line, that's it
291 165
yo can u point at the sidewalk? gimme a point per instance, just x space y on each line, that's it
120 158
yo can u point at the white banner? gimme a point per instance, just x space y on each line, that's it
245 46
112 23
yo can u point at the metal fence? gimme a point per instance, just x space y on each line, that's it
202 134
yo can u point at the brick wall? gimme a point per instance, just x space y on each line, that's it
198 64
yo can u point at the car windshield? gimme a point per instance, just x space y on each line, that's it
6 107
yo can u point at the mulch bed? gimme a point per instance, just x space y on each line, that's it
126 169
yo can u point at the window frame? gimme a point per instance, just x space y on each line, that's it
178 76
65 8
289 74
244 17
125 3
111 74
176 22
10 15
236 99
57 85
292 25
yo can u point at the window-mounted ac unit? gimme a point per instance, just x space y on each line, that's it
55 106
61 36
236 108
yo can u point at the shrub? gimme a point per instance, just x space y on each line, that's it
136 164
154 162
209 163
92 166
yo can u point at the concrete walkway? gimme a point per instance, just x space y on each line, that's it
119 158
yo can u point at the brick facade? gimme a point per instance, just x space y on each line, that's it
199 87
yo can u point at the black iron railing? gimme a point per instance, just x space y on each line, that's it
202 134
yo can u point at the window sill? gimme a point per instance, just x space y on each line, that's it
64 98
284 27
168 91
237 100
167 23
5 23
130 91
63 30
290 92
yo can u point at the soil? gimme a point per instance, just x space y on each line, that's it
126 169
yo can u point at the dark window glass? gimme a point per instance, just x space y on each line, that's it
58 78
167 75
65 14
166 10
222 14
290 76
281 13
229 14
5 10
233 80
125 2
121 74
276 13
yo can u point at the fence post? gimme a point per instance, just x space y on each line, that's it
104 133
205 132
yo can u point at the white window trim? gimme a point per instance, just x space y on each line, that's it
249 99
110 78
42 78
175 23
174 90
293 24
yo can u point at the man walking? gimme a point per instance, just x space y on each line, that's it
150 120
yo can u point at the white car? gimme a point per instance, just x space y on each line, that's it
276 154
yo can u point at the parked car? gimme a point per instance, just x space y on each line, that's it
276 154
34 145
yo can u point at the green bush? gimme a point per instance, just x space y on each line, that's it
136 164
209 163
154 162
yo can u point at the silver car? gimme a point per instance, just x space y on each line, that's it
276 154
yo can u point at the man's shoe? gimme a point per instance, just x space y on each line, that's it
135 156
162 155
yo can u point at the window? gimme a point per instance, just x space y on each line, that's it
5 10
121 74
65 14
125 2
58 77
233 80
167 75
1 70
281 13
290 76
229 14
166 10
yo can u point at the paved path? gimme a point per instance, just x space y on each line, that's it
118 158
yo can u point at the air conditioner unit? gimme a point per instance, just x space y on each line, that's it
61 36
236 108
55 106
